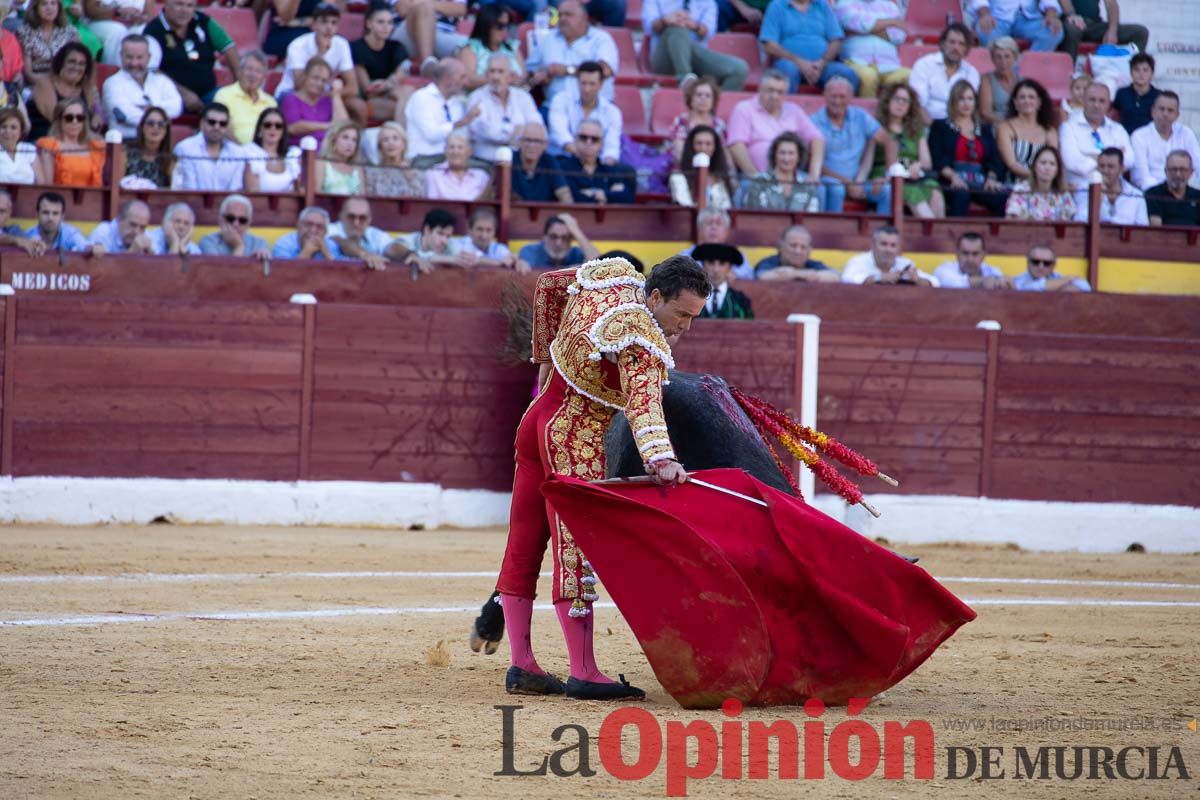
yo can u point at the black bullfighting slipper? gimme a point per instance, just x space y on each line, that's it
519 681
488 629
589 690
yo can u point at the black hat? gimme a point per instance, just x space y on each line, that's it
717 252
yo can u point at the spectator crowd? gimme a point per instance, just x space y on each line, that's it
431 96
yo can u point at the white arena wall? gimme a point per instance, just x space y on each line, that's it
1085 527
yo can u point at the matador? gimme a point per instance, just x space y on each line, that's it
602 335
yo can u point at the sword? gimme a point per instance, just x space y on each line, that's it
646 479
697 481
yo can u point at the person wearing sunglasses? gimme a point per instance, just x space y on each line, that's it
590 180
233 236
210 161
555 250
1083 136
136 88
149 162
72 155
583 101
1041 277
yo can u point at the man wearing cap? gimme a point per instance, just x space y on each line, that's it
325 42
724 302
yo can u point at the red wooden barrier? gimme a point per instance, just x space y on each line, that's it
137 388
104 387
223 279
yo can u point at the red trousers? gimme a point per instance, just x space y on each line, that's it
562 432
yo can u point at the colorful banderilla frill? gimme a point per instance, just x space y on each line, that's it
794 437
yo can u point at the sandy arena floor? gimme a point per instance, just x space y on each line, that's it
185 679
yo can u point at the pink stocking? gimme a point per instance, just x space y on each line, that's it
578 633
518 615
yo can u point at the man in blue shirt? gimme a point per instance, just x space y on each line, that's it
11 234
555 251
680 31
536 177
849 132
1041 277
310 239
54 232
590 180
126 233
233 236
793 261
803 39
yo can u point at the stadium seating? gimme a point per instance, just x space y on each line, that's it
665 106
239 23
104 72
743 46
927 18
351 26
633 15
633 110
1052 70
630 70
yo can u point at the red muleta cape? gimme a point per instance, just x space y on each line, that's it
772 606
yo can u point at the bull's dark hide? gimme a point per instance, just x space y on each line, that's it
708 430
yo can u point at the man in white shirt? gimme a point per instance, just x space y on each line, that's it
1083 136
570 108
1154 142
1121 203
968 271
934 74
504 111
434 111
574 41
357 239
325 42
128 93
884 264
1039 21
209 161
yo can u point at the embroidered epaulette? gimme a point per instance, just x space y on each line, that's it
627 324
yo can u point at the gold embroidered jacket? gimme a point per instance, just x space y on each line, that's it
584 316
